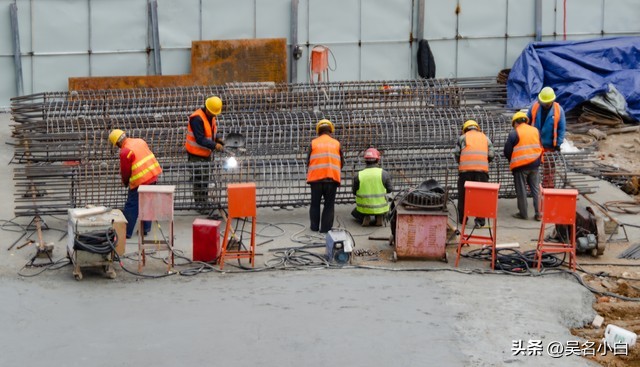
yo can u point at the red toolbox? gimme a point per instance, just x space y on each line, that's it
206 240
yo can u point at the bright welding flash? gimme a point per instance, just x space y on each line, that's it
231 163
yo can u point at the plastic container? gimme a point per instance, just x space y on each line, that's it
616 335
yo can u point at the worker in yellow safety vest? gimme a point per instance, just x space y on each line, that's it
325 160
549 118
371 186
473 152
201 140
138 166
524 153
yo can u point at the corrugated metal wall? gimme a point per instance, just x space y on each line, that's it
369 39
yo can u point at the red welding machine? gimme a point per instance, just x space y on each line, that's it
206 240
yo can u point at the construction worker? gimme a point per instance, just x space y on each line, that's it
524 153
551 123
325 160
138 166
202 140
473 152
370 187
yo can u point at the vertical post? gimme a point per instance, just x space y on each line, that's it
420 30
17 57
155 36
538 20
293 65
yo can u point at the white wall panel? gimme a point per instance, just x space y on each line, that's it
584 16
518 24
5 36
176 62
334 21
347 63
486 18
444 54
381 61
225 19
515 46
118 64
273 19
480 57
386 20
126 31
51 73
440 20
8 85
179 23
549 16
61 26
622 16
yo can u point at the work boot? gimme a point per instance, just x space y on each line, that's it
379 220
366 221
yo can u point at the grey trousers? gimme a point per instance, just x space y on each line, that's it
522 178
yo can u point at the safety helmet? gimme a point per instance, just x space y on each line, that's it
324 123
470 124
213 105
115 135
371 154
547 95
519 117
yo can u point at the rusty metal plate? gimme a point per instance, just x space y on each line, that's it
212 63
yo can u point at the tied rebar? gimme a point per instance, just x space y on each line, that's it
64 160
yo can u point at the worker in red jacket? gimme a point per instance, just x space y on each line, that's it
325 161
138 166
201 141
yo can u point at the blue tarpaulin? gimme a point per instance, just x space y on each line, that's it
577 71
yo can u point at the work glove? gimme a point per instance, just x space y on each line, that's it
219 147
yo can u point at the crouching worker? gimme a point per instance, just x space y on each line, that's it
138 166
370 187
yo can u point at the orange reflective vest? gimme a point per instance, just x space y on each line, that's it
475 155
210 130
145 166
528 149
556 118
324 161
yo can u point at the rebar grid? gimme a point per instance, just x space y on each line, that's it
66 161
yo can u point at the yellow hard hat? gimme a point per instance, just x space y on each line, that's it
519 117
213 105
468 124
547 95
115 135
322 123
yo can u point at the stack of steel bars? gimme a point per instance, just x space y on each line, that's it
64 159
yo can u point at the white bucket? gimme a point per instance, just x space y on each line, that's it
616 335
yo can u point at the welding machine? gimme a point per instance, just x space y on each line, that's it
340 245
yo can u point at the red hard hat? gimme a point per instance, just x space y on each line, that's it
371 154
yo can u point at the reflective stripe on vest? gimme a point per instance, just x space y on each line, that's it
371 195
528 149
324 161
145 167
475 155
556 119
210 130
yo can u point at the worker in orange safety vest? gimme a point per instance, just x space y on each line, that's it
524 153
549 118
325 160
138 166
201 140
473 152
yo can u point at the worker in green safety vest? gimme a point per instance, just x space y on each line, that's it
370 187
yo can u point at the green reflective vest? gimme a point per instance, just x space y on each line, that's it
370 197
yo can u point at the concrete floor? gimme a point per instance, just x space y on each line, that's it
354 317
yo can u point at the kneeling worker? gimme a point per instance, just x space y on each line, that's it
370 187
138 166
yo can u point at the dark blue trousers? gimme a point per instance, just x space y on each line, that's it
131 213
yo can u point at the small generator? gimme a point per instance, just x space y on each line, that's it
339 246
